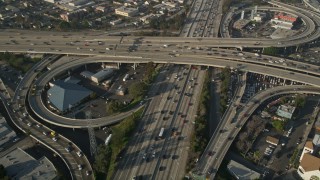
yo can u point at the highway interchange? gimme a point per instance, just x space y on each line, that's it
140 50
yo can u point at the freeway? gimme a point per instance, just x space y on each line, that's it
86 43
242 116
219 137
221 60
150 156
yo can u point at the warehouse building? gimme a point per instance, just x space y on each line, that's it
63 95
101 75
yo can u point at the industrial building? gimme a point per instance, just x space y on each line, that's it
65 95
126 11
20 165
285 111
6 133
101 75
240 171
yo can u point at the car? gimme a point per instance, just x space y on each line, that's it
210 153
55 139
44 133
38 125
68 149
80 167
162 168
91 49
29 124
88 173
79 153
15 139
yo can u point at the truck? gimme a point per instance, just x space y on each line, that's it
125 77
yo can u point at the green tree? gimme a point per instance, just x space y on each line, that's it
300 101
137 89
102 158
64 25
93 95
114 106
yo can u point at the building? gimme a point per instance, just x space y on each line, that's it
307 149
65 95
115 22
285 111
51 1
20 165
75 15
283 21
272 140
78 2
101 75
121 91
6 133
86 74
126 11
309 167
240 171
286 18
316 140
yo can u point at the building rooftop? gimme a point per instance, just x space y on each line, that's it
316 140
103 73
241 171
310 162
285 111
63 95
72 80
20 165
6 133
272 139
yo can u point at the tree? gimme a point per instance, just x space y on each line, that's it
93 95
137 89
64 25
299 101
102 158
114 106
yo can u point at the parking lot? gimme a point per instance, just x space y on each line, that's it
258 82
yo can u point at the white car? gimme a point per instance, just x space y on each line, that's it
79 153
54 139
80 167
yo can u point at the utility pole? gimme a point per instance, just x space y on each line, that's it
92 137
